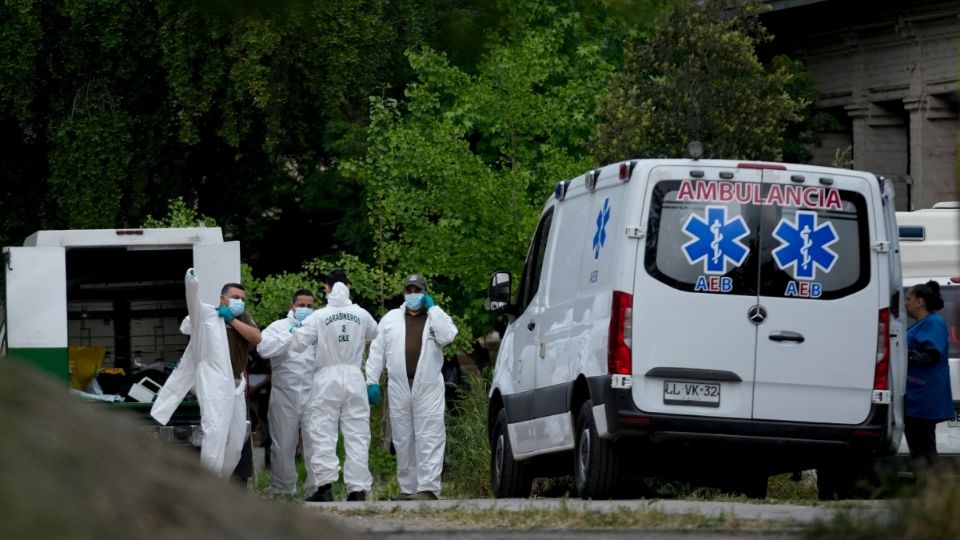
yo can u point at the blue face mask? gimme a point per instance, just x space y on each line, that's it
413 300
301 313
236 306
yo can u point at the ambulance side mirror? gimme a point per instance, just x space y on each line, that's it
498 296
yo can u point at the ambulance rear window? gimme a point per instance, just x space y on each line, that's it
750 238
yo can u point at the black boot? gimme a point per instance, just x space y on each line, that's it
323 494
357 496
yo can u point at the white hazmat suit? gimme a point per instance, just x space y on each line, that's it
291 376
338 397
206 366
416 411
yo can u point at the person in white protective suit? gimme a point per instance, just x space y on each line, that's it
338 397
209 366
410 340
291 375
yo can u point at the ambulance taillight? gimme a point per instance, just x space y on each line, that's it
881 373
619 356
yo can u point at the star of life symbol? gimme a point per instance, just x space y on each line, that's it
600 237
715 240
804 245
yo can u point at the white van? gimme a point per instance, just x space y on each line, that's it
930 250
720 321
117 294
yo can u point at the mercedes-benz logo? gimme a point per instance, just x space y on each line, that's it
757 314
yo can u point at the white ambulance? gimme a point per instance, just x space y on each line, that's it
930 250
718 321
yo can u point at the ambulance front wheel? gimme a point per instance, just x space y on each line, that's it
508 478
596 464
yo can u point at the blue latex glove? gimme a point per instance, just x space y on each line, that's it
192 272
294 326
224 312
428 301
373 394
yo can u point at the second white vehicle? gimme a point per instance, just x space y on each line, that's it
930 250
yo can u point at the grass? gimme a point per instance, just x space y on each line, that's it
467 460
926 512
783 489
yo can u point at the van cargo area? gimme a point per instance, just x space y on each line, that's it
129 302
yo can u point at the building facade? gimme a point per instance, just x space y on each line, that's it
888 72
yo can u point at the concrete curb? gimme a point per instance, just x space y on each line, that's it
391 513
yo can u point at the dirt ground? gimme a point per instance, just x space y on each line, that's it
75 470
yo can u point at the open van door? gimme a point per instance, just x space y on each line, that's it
36 307
216 265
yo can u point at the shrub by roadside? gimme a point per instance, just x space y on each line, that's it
929 512
467 464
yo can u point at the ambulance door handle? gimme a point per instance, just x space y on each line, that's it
786 336
531 325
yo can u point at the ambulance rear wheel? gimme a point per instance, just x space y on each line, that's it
508 478
595 465
836 481
853 477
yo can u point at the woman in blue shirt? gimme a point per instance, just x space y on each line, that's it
928 399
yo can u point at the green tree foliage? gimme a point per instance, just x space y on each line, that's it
456 173
698 77
807 129
269 298
180 214
259 114
109 109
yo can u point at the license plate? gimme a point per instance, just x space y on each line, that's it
691 393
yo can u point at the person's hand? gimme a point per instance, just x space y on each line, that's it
191 272
373 394
428 301
224 313
294 326
917 357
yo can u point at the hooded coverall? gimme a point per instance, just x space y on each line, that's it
338 397
291 378
416 409
206 366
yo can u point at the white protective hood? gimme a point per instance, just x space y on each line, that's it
339 296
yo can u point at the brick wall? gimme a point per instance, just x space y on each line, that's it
889 71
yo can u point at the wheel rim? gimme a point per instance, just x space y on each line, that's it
583 456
